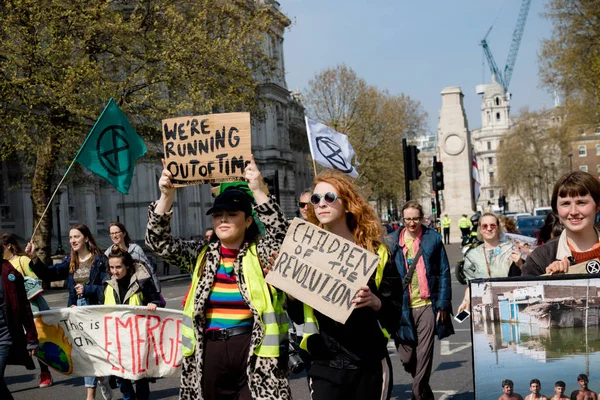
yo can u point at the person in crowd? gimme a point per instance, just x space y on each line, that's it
130 283
508 225
446 223
551 229
350 361
18 336
85 270
423 264
535 386
33 288
120 237
492 259
559 391
507 391
208 233
222 316
575 199
304 203
465 225
584 392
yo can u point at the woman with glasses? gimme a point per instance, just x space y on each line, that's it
421 259
233 321
349 361
492 259
120 237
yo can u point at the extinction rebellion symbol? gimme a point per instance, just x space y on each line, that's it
113 150
593 267
332 152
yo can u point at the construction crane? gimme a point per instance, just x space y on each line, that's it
505 77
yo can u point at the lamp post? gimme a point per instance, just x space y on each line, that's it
59 247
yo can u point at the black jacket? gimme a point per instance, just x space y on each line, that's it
360 340
540 258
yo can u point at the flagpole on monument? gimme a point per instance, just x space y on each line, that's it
67 172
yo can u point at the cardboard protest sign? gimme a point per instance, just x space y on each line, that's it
207 148
321 269
125 341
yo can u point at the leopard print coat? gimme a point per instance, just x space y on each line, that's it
266 379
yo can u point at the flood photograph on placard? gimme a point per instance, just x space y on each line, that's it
546 329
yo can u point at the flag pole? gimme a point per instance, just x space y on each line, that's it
67 172
310 145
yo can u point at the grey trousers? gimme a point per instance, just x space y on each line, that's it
418 359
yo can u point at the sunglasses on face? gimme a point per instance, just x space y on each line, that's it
302 204
490 226
415 219
329 198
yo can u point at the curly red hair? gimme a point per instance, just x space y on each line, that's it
361 218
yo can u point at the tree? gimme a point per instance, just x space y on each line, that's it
375 122
532 152
60 62
570 59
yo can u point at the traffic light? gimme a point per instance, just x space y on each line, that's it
502 201
438 176
413 172
433 211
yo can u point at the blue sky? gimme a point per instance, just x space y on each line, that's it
417 47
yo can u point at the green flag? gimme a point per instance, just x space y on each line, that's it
112 148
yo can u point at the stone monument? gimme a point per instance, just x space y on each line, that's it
457 157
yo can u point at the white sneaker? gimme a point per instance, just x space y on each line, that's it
104 387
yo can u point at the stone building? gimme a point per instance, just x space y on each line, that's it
585 152
279 145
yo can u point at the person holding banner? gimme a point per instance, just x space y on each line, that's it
576 200
350 360
33 288
85 270
427 296
18 335
130 283
120 236
234 333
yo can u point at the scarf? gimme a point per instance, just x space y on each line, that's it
420 269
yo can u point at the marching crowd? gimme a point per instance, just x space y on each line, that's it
235 326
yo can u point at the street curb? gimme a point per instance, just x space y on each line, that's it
173 278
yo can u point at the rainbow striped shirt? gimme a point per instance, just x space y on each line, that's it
225 306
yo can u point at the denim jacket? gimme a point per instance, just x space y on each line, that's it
438 280
93 290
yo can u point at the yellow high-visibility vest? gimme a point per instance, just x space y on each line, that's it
265 299
446 222
136 299
311 325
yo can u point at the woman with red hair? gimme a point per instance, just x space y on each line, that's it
350 360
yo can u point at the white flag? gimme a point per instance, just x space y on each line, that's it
476 185
329 148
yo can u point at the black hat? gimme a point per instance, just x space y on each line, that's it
232 199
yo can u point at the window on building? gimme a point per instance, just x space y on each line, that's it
598 149
582 131
498 116
597 130
598 169
490 161
497 101
491 178
582 151
491 194
583 168
489 145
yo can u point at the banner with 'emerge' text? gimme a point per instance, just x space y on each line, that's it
125 341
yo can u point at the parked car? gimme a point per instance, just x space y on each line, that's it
543 211
520 215
529 226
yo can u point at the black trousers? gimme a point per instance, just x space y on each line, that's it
367 383
224 374
465 231
446 235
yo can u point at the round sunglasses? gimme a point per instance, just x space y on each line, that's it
329 198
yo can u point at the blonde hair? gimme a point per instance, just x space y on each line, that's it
361 219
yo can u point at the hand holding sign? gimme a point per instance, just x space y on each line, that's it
255 181
558 267
366 298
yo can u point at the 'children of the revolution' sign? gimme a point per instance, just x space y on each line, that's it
321 269
125 341
207 148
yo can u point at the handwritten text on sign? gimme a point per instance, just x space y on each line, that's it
321 269
125 341
207 148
